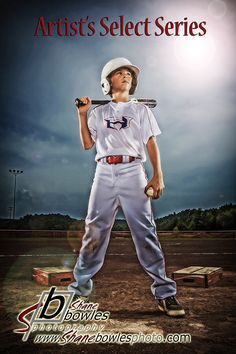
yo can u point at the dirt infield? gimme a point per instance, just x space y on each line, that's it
123 288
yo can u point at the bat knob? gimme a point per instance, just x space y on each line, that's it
79 103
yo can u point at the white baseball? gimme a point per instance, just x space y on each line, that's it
150 192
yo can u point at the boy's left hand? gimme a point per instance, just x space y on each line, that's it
158 186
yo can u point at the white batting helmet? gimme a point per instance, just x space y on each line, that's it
114 64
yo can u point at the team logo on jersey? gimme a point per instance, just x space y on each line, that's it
118 124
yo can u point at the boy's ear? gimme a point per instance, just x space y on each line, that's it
109 80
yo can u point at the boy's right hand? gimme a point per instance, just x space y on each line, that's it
85 108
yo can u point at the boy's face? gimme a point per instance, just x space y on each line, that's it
121 80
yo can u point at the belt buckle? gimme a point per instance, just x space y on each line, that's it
114 159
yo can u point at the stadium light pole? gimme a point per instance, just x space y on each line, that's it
15 173
10 210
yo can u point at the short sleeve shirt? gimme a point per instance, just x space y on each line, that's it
122 128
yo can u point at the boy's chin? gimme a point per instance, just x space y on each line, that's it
124 88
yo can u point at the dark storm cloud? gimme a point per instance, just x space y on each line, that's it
42 76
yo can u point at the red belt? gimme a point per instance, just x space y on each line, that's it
114 159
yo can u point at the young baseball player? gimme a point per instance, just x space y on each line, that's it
121 130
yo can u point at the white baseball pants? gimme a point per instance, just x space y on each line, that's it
121 185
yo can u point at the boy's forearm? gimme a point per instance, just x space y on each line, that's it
155 158
85 134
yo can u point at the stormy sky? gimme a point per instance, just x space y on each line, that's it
192 78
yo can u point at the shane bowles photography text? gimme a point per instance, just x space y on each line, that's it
87 26
57 318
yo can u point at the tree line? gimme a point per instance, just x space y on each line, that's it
222 218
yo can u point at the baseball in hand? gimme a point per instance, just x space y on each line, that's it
150 192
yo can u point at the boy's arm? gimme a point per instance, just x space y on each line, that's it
85 135
156 182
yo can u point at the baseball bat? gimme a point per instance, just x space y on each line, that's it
151 103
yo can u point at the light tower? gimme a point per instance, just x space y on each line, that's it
15 173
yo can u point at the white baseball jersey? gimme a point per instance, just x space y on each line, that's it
122 128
